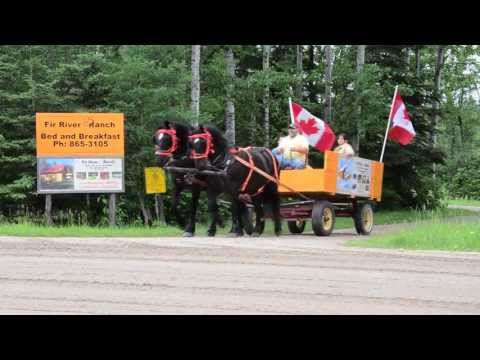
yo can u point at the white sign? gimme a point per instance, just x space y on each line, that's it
68 175
98 174
354 176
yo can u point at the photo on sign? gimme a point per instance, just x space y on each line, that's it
353 176
56 174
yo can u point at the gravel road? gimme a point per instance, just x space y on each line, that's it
300 274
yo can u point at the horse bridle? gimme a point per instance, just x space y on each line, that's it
173 135
207 137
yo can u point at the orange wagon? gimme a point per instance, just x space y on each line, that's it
344 187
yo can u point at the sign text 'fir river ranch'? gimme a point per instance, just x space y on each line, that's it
71 134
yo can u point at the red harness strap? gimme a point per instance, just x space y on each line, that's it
265 175
245 183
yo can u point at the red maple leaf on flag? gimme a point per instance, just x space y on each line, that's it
405 114
308 127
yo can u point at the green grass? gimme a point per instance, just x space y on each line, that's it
466 202
26 229
405 216
455 235
381 217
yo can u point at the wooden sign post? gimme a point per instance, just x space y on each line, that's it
155 183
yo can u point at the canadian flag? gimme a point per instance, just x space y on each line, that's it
317 131
402 129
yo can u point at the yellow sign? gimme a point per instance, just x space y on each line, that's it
155 180
80 134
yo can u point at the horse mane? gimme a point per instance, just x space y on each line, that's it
221 143
183 131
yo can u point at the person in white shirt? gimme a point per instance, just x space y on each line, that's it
344 147
292 150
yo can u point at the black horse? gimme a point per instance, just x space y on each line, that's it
172 149
243 184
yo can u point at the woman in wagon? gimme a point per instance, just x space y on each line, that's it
344 148
292 150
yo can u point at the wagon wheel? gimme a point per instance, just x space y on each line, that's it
323 218
296 226
363 219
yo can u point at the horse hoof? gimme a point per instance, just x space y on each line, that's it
255 234
211 234
187 234
278 233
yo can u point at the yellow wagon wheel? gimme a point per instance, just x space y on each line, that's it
363 219
323 218
296 226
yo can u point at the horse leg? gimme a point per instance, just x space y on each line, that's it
190 229
213 210
237 220
259 220
234 220
175 200
275 201
237 228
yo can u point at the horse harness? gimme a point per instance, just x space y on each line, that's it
209 149
173 135
190 179
251 166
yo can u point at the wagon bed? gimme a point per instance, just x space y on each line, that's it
344 187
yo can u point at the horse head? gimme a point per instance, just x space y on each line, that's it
209 147
171 142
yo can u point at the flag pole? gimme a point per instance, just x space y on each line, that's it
290 106
293 120
388 125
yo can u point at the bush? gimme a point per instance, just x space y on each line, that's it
463 180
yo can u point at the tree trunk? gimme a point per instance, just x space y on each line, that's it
230 106
32 79
145 212
462 136
253 122
159 208
48 209
417 62
328 83
195 105
358 108
266 95
298 90
407 57
311 66
253 118
453 142
436 99
112 209
87 206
